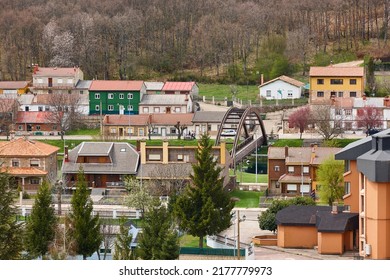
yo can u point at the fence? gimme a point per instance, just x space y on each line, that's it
210 251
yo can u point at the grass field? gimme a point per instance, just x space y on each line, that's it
220 91
246 199
244 177
93 132
190 241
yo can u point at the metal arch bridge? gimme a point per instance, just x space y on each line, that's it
250 131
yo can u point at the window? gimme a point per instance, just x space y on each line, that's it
348 112
291 169
339 112
154 157
179 157
54 127
40 108
347 187
268 93
156 109
320 94
173 130
306 169
347 165
155 130
305 188
289 93
121 96
47 108
320 81
347 208
97 107
113 130
352 81
40 81
177 109
336 81
352 94
341 94
27 108
20 127
276 168
97 95
333 94
70 81
110 96
81 92
129 130
59 81
38 127
34 181
145 109
110 107
291 188
15 163
34 163
130 108
129 96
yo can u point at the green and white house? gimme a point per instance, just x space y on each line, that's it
115 97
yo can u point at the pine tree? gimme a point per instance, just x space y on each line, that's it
11 233
41 225
205 207
123 240
158 240
86 228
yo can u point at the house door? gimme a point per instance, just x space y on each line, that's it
121 131
121 109
197 130
98 181
29 127
50 82
163 132
168 110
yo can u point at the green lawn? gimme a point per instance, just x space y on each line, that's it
245 177
246 199
93 132
189 241
220 91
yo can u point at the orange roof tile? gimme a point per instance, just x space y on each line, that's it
171 119
179 86
126 119
24 147
28 171
36 117
56 71
116 85
331 71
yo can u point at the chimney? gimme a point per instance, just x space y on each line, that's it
66 153
286 151
334 208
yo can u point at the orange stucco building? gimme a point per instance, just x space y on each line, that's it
324 227
367 164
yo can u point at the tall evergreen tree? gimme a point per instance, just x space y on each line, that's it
123 243
205 207
158 240
41 225
11 233
86 227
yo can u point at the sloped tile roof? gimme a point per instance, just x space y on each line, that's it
302 154
285 79
178 86
35 117
13 84
172 119
126 119
164 99
331 71
56 71
25 147
117 85
27 171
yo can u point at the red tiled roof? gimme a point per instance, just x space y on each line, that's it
13 84
24 147
116 85
35 117
171 119
179 86
126 119
28 171
56 71
331 71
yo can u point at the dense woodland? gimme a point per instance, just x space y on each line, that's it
206 40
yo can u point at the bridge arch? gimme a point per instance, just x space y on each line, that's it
250 131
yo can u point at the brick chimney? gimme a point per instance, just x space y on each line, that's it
335 209
66 153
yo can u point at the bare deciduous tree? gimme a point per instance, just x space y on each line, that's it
325 123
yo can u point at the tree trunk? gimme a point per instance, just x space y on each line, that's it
201 242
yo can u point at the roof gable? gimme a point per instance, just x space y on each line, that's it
285 79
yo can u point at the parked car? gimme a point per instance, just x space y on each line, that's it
229 132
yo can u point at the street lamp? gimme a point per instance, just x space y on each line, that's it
59 186
239 220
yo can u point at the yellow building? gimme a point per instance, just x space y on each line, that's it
333 82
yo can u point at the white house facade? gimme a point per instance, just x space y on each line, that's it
282 87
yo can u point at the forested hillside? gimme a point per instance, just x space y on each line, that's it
219 40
